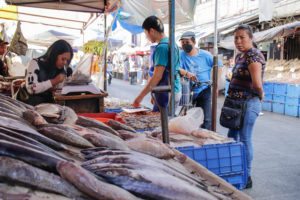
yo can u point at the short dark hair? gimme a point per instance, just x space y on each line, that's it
153 22
245 27
57 48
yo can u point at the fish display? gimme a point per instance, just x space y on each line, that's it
16 171
89 122
62 134
89 184
132 171
47 152
119 126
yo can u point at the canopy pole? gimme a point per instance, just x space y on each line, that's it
172 54
215 72
105 55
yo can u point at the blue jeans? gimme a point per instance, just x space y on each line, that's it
244 135
203 100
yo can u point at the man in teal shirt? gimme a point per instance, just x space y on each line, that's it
154 30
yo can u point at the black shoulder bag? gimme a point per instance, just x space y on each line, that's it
233 113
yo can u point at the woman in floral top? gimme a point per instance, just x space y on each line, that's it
246 83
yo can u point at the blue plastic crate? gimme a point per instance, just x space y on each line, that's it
293 90
268 87
279 98
268 97
280 88
267 106
292 100
143 130
291 110
221 159
237 180
278 107
114 110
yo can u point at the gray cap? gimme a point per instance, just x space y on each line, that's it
188 35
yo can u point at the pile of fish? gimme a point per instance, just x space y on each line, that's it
47 152
196 138
116 103
143 123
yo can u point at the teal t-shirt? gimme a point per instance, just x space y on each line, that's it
161 57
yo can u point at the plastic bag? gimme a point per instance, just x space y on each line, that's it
81 74
188 123
18 44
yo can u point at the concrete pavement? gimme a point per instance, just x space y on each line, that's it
276 142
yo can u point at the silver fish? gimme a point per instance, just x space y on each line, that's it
89 184
89 122
19 172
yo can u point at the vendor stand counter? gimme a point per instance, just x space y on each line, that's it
85 103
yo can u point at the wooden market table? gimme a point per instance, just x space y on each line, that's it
84 103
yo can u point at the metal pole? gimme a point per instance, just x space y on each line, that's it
172 53
215 72
105 55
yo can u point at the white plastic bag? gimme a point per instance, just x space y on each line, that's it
186 124
81 74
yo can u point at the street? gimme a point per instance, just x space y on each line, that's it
276 143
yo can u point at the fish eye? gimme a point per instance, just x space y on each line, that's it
109 173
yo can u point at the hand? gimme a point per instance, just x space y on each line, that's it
58 79
137 101
152 100
191 76
262 97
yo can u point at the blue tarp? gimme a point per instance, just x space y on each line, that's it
134 29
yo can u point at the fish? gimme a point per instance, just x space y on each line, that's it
17 103
13 116
96 154
17 111
151 147
89 184
96 149
19 172
21 109
49 110
119 126
8 196
29 140
89 122
7 110
34 118
70 116
34 157
126 135
60 134
103 132
30 132
154 184
104 141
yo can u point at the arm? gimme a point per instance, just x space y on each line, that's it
32 84
255 69
188 74
157 75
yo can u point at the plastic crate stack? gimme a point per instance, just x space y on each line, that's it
225 160
283 98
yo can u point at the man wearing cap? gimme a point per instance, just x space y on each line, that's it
159 72
3 66
196 64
